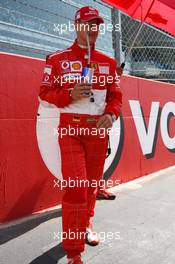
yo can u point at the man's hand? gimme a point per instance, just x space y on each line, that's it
81 90
105 121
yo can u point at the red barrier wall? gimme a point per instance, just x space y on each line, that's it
26 184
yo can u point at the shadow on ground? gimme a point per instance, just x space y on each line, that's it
51 256
12 232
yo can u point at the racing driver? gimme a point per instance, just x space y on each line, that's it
82 104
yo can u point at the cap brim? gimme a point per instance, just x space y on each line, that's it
99 18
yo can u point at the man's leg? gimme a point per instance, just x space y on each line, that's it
74 203
96 149
104 194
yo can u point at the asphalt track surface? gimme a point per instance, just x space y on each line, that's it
136 228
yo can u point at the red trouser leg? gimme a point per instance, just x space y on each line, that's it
82 158
96 149
74 204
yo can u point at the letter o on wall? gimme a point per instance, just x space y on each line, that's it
167 111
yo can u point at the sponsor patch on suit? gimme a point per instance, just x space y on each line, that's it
76 66
72 76
47 74
104 68
65 65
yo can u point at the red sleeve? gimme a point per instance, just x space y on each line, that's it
51 89
114 94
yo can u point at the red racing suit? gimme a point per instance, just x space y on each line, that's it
82 156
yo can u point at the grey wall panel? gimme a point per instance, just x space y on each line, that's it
31 23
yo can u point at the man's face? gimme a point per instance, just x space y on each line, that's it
91 27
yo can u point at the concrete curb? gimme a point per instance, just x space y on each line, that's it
15 228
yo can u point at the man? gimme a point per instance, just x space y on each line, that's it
81 105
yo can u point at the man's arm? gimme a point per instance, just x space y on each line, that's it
114 94
51 89
113 100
